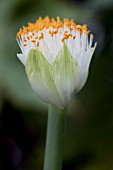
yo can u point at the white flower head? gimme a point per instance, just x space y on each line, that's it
56 55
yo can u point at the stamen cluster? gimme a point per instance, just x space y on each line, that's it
29 33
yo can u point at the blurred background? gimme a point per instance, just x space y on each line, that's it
89 132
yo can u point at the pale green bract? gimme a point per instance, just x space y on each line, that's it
54 83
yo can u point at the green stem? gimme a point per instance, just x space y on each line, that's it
54 140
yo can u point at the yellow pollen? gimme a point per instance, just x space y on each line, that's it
84 27
28 37
25 44
36 37
31 36
41 36
79 27
25 40
56 26
87 32
62 39
33 33
33 41
65 31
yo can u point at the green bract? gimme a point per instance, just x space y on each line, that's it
55 82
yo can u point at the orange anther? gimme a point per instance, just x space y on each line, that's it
71 29
33 33
70 35
17 38
87 32
62 39
84 27
65 31
41 37
28 37
25 40
36 37
78 26
33 41
58 18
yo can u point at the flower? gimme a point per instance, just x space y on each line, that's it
56 55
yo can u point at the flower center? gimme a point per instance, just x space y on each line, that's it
49 35
35 32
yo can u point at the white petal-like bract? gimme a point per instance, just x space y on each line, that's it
56 55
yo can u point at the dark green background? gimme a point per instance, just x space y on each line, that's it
89 132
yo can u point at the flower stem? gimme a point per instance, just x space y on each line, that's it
54 140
